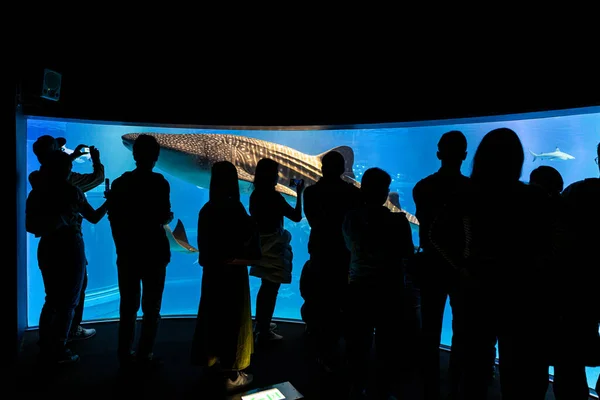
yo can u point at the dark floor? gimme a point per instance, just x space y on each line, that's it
97 374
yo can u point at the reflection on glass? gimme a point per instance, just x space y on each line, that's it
406 151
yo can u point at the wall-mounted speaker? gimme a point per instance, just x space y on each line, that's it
51 85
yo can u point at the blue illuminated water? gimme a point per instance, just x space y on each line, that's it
407 152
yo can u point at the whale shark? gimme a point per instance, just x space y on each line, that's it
552 156
190 157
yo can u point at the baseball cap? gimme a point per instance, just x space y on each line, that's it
46 143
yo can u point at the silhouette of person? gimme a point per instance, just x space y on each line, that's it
53 213
43 146
380 242
437 279
139 207
223 340
580 285
502 270
324 278
569 377
268 208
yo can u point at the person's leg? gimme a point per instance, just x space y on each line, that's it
388 335
64 274
333 287
359 337
570 382
129 291
51 287
479 336
77 331
265 307
523 350
153 285
433 303
307 292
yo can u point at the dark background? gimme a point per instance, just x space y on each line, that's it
230 91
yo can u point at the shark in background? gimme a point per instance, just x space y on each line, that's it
190 157
552 156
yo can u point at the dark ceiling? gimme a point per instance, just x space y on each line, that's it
230 93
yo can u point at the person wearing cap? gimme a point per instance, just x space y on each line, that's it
53 213
43 148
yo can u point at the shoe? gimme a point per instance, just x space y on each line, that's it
243 380
272 327
327 366
268 337
65 356
127 360
80 333
149 361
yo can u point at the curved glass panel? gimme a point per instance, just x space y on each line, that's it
407 151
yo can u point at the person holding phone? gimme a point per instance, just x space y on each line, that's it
42 148
53 212
268 208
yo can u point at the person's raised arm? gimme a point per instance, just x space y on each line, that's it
294 214
87 182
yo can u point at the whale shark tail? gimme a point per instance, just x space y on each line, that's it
348 155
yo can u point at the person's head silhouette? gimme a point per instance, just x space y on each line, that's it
547 178
375 186
57 166
333 165
45 145
452 148
224 182
499 158
266 174
146 151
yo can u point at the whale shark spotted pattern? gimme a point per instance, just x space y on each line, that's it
190 157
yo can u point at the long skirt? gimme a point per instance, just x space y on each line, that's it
224 324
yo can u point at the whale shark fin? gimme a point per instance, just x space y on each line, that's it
348 154
244 176
394 198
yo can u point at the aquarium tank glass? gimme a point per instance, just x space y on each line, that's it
565 140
